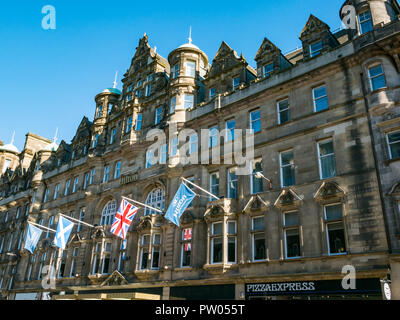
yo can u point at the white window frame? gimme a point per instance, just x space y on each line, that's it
255 232
188 101
360 23
139 122
252 121
377 76
285 229
319 98
390 143
314 53
320 157
117 170
106 174
108 213
229 181
278 104
213 185
267 73
326 222
281 166
190 68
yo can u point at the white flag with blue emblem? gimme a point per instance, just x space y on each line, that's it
32 237
181 201
64 229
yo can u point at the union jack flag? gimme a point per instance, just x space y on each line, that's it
123 219
187 236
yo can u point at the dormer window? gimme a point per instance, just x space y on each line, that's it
365 21
235 83
268 69
315 48
212 93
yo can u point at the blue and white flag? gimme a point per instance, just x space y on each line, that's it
32 237
181 201
64 229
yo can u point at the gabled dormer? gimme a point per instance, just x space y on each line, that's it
228 72
316 38
81 142
270 60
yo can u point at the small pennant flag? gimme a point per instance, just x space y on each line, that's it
32 237
123 219
181 201
64 229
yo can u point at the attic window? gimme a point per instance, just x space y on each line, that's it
365 21
268 69
315 49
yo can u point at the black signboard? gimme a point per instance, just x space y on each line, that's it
320 287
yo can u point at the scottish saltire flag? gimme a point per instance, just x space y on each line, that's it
181 201
32 237
123 219
64 229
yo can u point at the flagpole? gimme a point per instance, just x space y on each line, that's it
89 225
40 226
142 204
195 185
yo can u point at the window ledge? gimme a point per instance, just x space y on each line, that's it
219 268
183 269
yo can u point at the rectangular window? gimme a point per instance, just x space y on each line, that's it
18 213
67 185
158 115
129 121
46 195
376 77
291 235
174 147
256 183
315 48
327 166
193 143
149 77
172 105
163 154
230 127
86 180
232 183
186 247
231 233
283 111
213 135
365 21
393 140
259 252
149 157
214 185
190 67
287 169
148 90
117 170
81 217
6 164
335 229
92 173
235 83
212 93
155 259
75 185
268 69
139 118
175 71
216 243
188 101
106 174
122 255
320 99
255 121
49 225
139 93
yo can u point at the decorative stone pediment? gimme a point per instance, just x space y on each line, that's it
256 203
266 48
115 279
329 190
219 208
288 198
83 130
313 25
145 223
225 60
187 218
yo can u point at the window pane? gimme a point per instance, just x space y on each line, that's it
378 82
333 212
291 219
145 256
231 227
217 228
328 168
217 250
336 238
186 253
258 223
232 184
157 239
106 265
155 259
326 148
292 243
232 249
259 246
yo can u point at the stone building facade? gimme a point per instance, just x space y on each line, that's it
323 193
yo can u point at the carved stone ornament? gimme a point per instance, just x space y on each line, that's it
98 232
115 279
329 190
288 198
256 203
313 25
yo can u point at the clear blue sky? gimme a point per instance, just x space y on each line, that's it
48 78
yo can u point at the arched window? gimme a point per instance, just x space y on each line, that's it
107 216
155 199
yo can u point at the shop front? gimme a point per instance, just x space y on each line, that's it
315 290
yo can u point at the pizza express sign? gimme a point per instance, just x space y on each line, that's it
365 286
